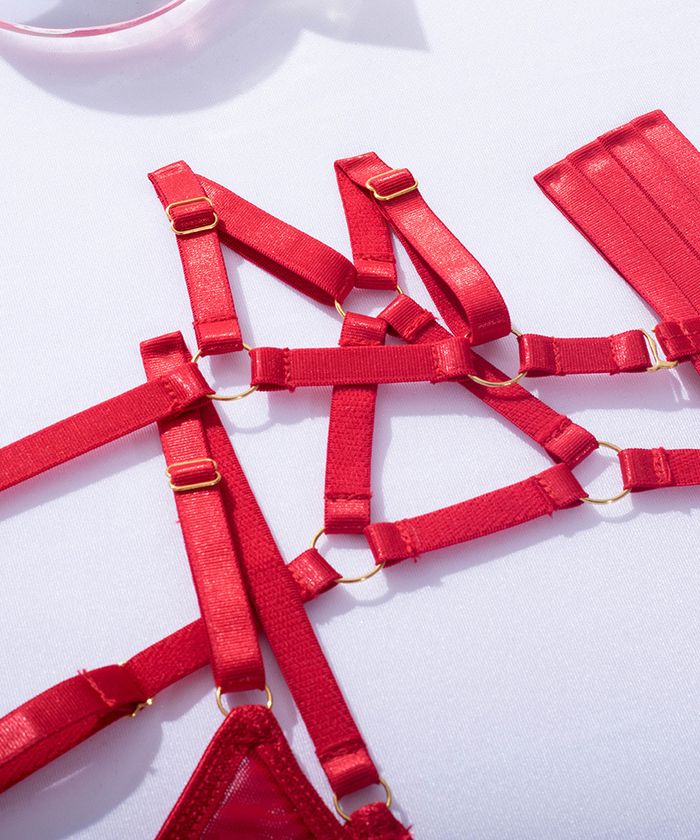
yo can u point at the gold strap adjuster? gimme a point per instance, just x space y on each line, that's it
370 186
200 485
177 231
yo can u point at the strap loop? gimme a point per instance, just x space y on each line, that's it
389 799
360 578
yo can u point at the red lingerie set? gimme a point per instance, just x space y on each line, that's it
634 193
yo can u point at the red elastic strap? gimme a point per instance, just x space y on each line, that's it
215 322
542 355
561 438
313 574
281 612
648 469
634 194
679 339
223 601
275 368
375 822
348 489
376 197
542 494
58 719
163 397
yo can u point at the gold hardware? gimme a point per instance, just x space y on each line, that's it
361 578
177 231
487 383
626 491
346 817
659 363
224 397
397 194
200 485
141 706
341 311
225 712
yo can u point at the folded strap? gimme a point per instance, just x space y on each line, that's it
648 469
540 495
195 479
348 490
679 339
163 397
561 438
376 198
542 355
274 368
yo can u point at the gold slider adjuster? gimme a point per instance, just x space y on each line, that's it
178 231
200 485
379 196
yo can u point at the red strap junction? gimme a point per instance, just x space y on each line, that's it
377 198
560 437
274 368
202 213
348 490
541 495
165 396
196 483
635 194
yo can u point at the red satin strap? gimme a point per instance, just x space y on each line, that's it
274 368
348 489
542 355
375 822
223 601
628 193
540 495
164 397
679 339
58 719
216 214
647 469
313 574
464 294
339 745
194 221
562 439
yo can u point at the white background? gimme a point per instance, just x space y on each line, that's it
542 683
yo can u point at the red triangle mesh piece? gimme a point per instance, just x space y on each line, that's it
248 786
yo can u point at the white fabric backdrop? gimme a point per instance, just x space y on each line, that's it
538 684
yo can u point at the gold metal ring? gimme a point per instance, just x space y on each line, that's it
225 712
227 397
488 383
389 799
360 578
626 491
659 362
343 313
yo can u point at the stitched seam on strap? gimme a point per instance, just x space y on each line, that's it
540 485
560 429
557 355
287 367
662 468
437 362
408 537
616 348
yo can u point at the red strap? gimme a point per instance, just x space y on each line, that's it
375 822
647 469
679 339
215 212
313 574
626 352
223 601
53 722
628 195
562 439
274 368
279 607
164 397
540 495
375 197
194 221
350 430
